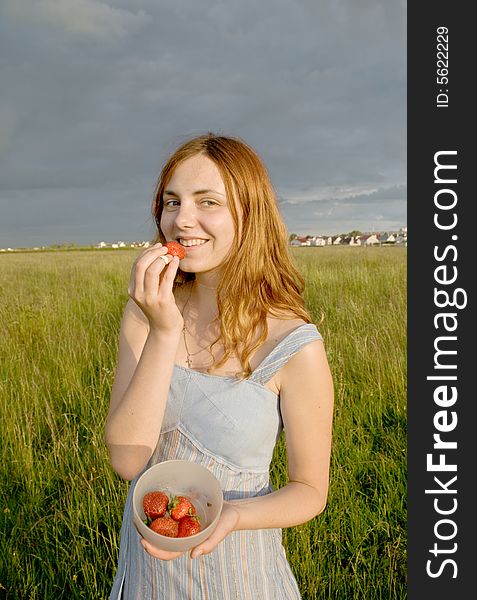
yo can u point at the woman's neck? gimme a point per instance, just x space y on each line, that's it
201 302
204 291
207 279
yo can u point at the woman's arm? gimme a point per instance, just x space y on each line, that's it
148 340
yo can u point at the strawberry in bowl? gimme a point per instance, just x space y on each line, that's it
174 517
155 504
195 499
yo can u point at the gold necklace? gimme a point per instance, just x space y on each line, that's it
184 330
191 354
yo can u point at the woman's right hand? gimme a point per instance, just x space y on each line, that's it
150 286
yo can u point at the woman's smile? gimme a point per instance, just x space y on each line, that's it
191 243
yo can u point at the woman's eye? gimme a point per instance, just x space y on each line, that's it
209 202
171 202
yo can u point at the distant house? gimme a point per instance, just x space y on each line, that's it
369 239
382 238
318 241
372 240
401 239
388 238
301 241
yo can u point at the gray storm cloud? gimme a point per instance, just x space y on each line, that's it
96 94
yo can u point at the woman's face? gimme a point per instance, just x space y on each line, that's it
196 214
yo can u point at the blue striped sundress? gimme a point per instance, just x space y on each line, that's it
231 427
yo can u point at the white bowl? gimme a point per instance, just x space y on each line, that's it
180 478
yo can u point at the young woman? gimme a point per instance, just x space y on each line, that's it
217 354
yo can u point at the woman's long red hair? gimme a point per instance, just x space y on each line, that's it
258 277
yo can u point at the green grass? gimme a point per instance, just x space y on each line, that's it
61 504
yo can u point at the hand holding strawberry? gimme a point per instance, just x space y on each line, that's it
150 286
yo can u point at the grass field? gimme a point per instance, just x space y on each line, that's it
61 504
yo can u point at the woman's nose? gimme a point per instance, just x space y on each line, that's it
186 215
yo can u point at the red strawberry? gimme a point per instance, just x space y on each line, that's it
176 249
165 526
155 504
188 526
180 506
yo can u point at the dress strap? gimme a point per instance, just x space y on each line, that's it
283 351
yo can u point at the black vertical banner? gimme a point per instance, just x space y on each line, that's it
442 267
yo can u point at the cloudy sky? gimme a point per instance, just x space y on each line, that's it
95 94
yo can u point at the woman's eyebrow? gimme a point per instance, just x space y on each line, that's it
197 193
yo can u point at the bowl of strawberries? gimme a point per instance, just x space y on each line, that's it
177 504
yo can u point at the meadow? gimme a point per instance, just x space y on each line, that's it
61 504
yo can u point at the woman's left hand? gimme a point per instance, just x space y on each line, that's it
226 524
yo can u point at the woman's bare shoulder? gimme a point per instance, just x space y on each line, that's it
279 327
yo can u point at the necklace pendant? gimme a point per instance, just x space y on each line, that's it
189 362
